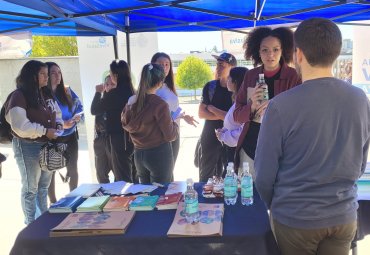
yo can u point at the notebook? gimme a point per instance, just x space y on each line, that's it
93 204
93 223
66 204
144 203
171 201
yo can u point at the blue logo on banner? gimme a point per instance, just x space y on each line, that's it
366 64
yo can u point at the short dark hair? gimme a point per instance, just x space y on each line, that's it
253 42
320 41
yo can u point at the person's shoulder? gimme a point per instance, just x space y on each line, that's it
132 99
17 98
71 92
289 72
155 99
156 103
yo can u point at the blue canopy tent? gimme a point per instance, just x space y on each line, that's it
98 17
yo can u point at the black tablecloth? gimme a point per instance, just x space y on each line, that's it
363 227
246 230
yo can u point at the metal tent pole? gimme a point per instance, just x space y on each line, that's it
115 46
127 29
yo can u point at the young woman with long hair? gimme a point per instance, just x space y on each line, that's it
113 101
147 118
72 111
168 93
271 51
34 117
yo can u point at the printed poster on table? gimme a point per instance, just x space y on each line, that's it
210 222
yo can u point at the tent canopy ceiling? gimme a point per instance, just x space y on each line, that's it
103 17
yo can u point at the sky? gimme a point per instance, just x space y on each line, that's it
184 42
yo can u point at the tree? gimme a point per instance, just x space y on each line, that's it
193 73
51 46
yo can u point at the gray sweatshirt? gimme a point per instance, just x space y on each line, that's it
312 148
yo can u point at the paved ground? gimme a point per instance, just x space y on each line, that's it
11 216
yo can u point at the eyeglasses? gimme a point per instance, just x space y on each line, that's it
268 51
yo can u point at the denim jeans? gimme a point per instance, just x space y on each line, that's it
154 164
35 182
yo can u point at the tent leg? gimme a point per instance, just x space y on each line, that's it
115 46
128 46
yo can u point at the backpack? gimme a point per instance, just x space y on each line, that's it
212 89
6 135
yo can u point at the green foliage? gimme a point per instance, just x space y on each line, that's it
51 46
193 73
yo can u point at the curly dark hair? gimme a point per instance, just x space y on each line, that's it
253 41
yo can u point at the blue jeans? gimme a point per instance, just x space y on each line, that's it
155 164
35 182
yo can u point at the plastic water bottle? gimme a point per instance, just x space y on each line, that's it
191 203
230 185
246 186
262 83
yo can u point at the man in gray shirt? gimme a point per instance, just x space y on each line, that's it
312 148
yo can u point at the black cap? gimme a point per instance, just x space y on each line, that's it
226 57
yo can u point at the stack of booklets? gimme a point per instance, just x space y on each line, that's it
144 203
93 204
94 223
171 201
210 222
118 204
66 205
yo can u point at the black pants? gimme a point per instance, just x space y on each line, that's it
175 152
122 161
103 160
72 172
155 164
212 156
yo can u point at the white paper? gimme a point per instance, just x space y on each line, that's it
176 114
175 187
114 188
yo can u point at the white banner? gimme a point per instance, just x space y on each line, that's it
15 45
361 58
143 47
95 56
233 42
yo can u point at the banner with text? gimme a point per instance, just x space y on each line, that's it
361 58
95 56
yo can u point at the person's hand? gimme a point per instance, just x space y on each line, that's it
190 120
51 133
76 118
260 111
257 98
219 133
69 123
99 88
